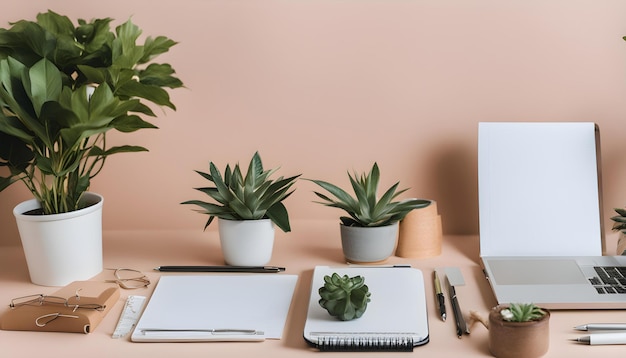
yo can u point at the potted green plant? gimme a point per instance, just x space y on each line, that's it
247 207
619 224
63 87
369 232
519 330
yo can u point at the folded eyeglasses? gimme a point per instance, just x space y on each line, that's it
41 299
129 279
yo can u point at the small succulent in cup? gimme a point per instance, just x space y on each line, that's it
522 312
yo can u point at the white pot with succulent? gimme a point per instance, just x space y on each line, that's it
62 88
369 234
620 225
247 207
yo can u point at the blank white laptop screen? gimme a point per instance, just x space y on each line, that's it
538 189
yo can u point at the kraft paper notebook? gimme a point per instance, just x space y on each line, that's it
54 316
198 308
396 318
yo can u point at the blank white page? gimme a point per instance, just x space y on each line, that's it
539 189
181 305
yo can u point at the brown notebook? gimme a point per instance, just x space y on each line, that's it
57 317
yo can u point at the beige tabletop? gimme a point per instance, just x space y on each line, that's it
309 244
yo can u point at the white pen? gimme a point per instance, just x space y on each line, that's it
602 327
603 338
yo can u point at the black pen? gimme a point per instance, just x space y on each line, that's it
461 326
259 269
440 298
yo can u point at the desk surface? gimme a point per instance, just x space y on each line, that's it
309 244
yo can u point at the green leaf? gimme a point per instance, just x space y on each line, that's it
339 193
16 154
219 182
159 75
131 123
56 24
97 151
153 47
30 43
13 127
96 37
92 74
5 182
279 216
125 51
151 93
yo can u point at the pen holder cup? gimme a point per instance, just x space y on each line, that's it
420 234
518 339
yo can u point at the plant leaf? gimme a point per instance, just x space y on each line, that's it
45 84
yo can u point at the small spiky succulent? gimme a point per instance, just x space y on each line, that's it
344 297
249 196
366 209
522 312
619 220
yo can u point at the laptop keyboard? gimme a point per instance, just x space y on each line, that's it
610 279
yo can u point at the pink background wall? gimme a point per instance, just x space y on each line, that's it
325 87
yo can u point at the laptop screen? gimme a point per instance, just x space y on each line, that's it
539 189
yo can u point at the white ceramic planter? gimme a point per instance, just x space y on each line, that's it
246 242
368 244
61 248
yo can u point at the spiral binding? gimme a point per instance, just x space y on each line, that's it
365 343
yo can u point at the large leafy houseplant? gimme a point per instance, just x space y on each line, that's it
63 87
249 196
365 209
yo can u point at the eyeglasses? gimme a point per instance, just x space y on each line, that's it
41 299
129 279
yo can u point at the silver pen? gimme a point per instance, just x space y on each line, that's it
601 327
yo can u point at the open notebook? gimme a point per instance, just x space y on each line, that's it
216 308
395 319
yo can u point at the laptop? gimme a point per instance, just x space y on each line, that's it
540 214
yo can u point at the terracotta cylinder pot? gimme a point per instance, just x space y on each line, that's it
518 339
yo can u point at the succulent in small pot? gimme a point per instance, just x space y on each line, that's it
369 232
344 297
365 209
246 205
519 330
253 196
522 312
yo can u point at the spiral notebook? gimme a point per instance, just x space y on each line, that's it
396 318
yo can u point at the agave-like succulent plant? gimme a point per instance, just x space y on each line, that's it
366 210
251 197
522 312
619 220
344 297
